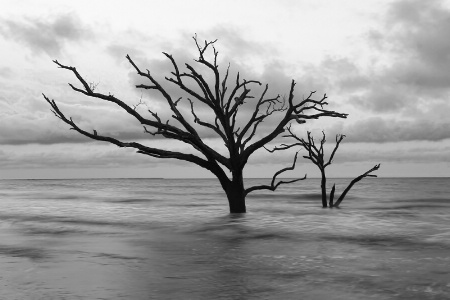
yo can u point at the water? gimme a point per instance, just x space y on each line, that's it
174 239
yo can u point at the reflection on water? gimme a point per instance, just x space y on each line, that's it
173 239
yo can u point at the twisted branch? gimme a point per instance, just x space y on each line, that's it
273 186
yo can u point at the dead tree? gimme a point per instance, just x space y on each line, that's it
224 100
317 156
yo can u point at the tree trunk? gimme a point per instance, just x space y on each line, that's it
323 186
236 199
236 193
333 189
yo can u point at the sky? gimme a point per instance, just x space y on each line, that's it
385 63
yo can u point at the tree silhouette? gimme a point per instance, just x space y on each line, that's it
317 156
224 100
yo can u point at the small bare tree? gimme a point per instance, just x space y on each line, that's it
224 100
317 156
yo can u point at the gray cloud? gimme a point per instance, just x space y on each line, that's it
393 153
26 119
420 29
6 72
364 153
235 45
383 98
46 36
118 52
348 76
406 81
380 130
415 36
66 156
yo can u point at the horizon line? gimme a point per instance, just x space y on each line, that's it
208 178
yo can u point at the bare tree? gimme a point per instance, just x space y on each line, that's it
317 156
224 101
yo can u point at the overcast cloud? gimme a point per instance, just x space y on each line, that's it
46 35
413 36
386 65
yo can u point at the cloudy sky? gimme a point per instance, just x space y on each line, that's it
386 63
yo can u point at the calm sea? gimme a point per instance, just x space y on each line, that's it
174 239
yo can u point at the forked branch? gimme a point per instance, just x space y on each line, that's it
347 189
300 112
273 186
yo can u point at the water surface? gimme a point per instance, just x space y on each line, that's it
174 239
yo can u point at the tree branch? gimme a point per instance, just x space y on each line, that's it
190 137
366 174
194 138
273 186
214 127
155 152
111 98
294 112
339 138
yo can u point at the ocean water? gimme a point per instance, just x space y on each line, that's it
174 239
